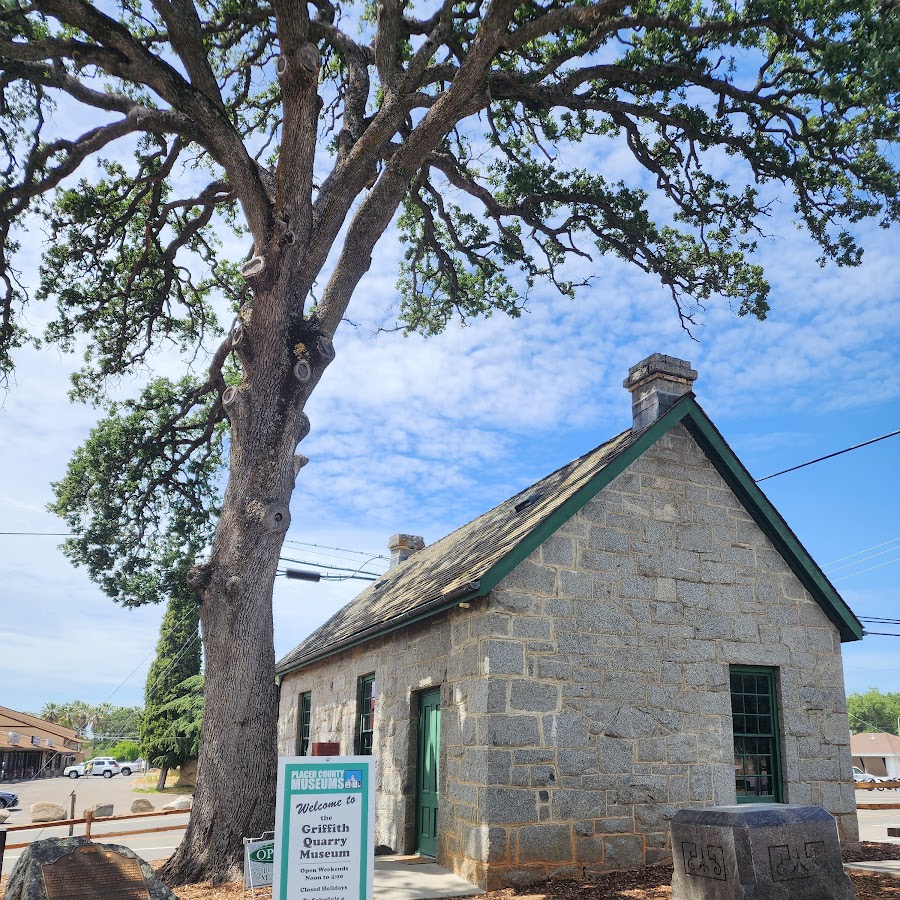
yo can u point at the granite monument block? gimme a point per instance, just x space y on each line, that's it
763 851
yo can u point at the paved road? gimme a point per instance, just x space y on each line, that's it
119 790
873 823
875 796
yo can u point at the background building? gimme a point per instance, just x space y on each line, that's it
877 753
31 747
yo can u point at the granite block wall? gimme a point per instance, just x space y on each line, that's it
404 662
597 701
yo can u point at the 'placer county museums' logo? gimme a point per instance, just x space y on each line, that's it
326 780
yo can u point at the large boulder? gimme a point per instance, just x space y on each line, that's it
142 806
99 811
4 815
47 812
180 803
26 882
187 774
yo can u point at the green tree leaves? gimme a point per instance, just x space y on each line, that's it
173 698
142 493
874 711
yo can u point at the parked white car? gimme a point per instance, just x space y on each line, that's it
126 768
100 765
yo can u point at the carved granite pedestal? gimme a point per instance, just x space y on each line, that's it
763 851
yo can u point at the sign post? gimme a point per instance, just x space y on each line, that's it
324 828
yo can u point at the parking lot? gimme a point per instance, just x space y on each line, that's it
119 790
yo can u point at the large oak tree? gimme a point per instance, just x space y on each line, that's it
309 126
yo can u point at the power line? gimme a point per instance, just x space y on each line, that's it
829 456
861 720
340 549
880 566
38 533
858 552
177 625
156 683
306 562
302 575
864 559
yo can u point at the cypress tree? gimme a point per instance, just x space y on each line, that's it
177 660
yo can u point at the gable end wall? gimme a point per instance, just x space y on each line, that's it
600 699
587 699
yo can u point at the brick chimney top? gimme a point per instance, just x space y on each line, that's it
402 547
655 384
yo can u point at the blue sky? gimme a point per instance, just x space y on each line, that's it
421 436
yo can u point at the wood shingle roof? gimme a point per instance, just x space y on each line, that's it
453 566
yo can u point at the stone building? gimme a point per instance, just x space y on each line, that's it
546 686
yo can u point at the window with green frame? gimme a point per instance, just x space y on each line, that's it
304 720
365 727
757 742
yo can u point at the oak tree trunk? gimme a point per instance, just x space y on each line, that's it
237 765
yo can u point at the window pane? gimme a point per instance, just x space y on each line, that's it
754 725
366 715
303 726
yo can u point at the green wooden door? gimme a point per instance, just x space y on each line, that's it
428 775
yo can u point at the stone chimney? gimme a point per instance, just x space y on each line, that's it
402 547
655 384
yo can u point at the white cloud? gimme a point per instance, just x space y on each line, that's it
422 435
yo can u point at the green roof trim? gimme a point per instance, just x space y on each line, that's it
771 523
566 510
723 458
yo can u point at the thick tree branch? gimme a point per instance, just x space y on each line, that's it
134 63
185 34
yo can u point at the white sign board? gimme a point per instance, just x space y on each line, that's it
259 862
324 828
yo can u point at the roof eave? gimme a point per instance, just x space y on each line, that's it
436 607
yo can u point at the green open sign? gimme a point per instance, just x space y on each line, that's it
265 854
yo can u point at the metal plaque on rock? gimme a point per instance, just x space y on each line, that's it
94 873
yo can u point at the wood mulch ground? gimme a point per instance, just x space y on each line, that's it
650 883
